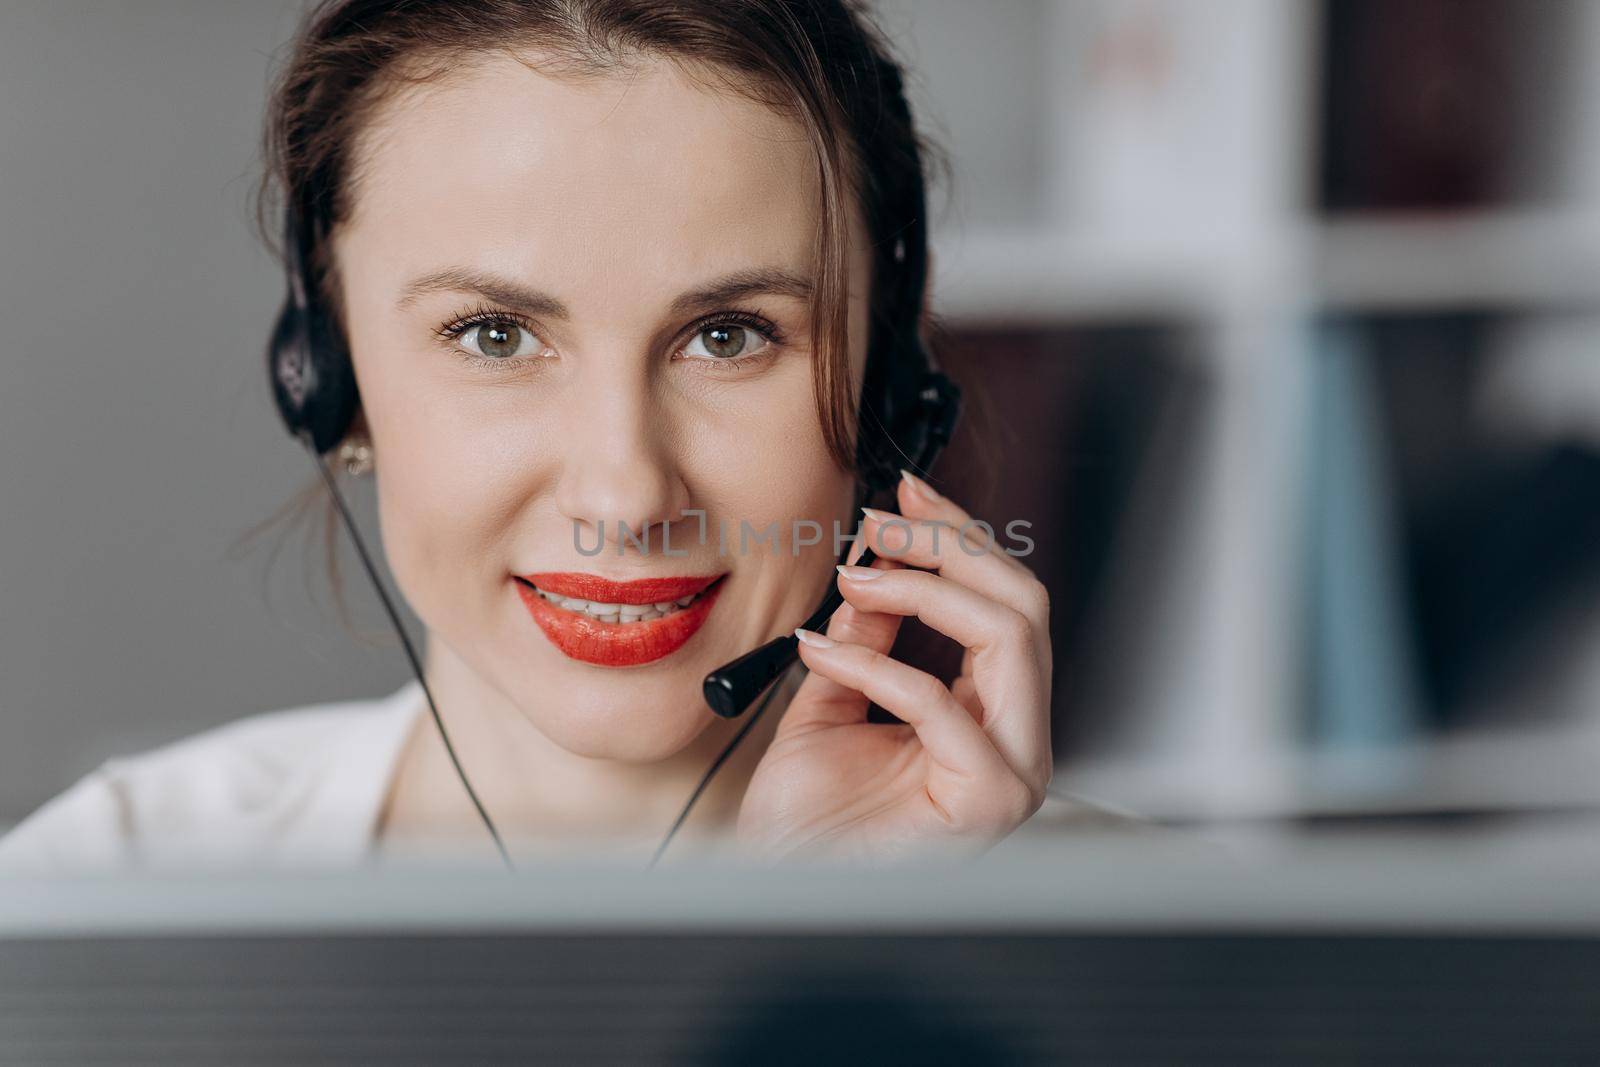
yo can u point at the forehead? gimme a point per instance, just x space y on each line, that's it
647 168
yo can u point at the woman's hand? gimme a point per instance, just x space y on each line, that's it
971 761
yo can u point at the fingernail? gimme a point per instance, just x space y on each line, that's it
878 516
858 574
920 487
812 638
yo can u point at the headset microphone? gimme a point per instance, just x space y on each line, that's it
730 688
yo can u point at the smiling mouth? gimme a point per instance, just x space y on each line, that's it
618 624
618 613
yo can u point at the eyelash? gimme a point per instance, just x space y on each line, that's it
483 315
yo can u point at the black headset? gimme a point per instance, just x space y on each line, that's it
907 415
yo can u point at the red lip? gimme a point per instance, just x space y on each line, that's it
640 591
617 644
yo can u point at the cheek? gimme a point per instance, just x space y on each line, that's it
450 487
771 465
757 455
438 528
771 471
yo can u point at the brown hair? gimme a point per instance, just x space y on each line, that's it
823 62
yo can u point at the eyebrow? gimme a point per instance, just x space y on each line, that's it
519 297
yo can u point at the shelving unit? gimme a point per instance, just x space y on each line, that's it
1179 184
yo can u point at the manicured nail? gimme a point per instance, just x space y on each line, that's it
878 516
858 574
812 638
920 487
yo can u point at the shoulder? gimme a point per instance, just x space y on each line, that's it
276 781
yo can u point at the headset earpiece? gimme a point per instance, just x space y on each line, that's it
313 382
938 411
908 426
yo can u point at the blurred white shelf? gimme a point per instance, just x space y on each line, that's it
1523 768
1049 277
1064 277
1537 259
1180 196
1516 258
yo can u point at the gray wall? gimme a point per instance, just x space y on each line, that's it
137 439
136 434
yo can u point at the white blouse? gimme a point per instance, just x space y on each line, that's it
301 787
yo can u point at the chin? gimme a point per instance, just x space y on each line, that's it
599 722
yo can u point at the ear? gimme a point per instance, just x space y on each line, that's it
927 286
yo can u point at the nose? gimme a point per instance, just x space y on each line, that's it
619 474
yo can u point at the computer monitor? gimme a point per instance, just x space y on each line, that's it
1422 950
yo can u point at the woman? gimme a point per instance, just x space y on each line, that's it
610 270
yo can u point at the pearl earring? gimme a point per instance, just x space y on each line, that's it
356 455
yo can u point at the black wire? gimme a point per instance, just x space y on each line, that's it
411 654
716 766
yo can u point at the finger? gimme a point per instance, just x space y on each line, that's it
1046 664
822 701
1006 658
934 543
966 694
860 625
851 623
919 500
961 752
964 689
857 547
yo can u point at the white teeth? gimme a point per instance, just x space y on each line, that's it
618 612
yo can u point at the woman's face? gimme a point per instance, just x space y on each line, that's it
538 279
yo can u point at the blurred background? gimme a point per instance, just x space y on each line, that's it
1275 318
